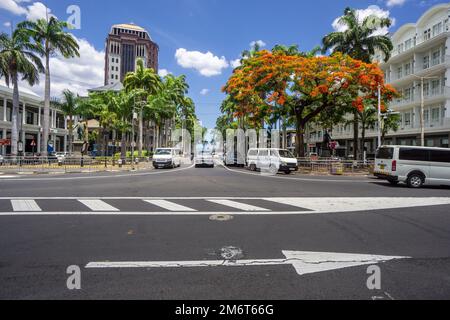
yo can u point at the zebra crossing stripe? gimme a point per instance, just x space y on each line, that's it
98 205
170 206
238 205
25 206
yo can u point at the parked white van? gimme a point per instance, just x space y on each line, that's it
415 166
167 158
273 160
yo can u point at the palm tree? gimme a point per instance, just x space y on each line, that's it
147 80
360 41
51 35
18 59
70 107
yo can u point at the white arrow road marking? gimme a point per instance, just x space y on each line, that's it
171 206
328 205
238 205
304 262
25 206
98 205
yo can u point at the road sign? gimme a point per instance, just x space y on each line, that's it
304 262
85 147
20 146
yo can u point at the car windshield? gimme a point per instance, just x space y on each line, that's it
286 154
163 152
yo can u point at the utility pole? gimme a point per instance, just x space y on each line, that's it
379 115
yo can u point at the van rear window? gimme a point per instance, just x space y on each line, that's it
411 154
385 153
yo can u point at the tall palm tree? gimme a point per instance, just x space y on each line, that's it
360 40
18 59
70 107
147 80
51 35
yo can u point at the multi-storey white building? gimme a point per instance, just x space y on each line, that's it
31 113
421 51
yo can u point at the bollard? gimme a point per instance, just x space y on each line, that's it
59 163
119 162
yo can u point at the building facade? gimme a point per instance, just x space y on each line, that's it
125 44
31 113
421 52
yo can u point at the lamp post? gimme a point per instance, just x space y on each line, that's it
379 115
422 108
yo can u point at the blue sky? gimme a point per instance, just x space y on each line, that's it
207 35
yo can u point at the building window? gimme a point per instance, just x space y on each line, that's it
426 62
426 89
435 87
427 35
399 72
435 60
426 117
407 119
407 95
437 29
435 113
407 69
408 44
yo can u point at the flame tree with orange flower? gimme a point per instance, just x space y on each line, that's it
303 86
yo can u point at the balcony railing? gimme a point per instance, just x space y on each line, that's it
422 39
432 93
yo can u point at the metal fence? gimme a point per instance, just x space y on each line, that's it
71 165
335 166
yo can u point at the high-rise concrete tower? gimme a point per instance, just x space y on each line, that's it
126 43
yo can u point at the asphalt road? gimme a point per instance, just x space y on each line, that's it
48 223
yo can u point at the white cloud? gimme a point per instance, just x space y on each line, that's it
204 92
77 74
235 63
13 7
393 3
36 10
163 72
362 14
207 64
7 24
260 43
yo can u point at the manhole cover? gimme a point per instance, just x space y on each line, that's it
221 217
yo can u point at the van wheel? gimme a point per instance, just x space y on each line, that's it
252 167
288 172
415 180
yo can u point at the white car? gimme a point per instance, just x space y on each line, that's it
415 166
273 160
167 158
204 159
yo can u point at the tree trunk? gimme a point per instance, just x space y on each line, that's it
141 132
355 135
46 119
123 145
300 138
15 117
363 138
70 135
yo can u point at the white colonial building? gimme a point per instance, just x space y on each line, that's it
421 51
31 113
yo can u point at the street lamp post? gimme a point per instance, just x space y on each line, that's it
422 108
379 115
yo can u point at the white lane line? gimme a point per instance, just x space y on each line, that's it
238 205
171 206
8 177
98 205
25 206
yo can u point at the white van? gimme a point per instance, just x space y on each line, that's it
167 158
415 166
273 160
